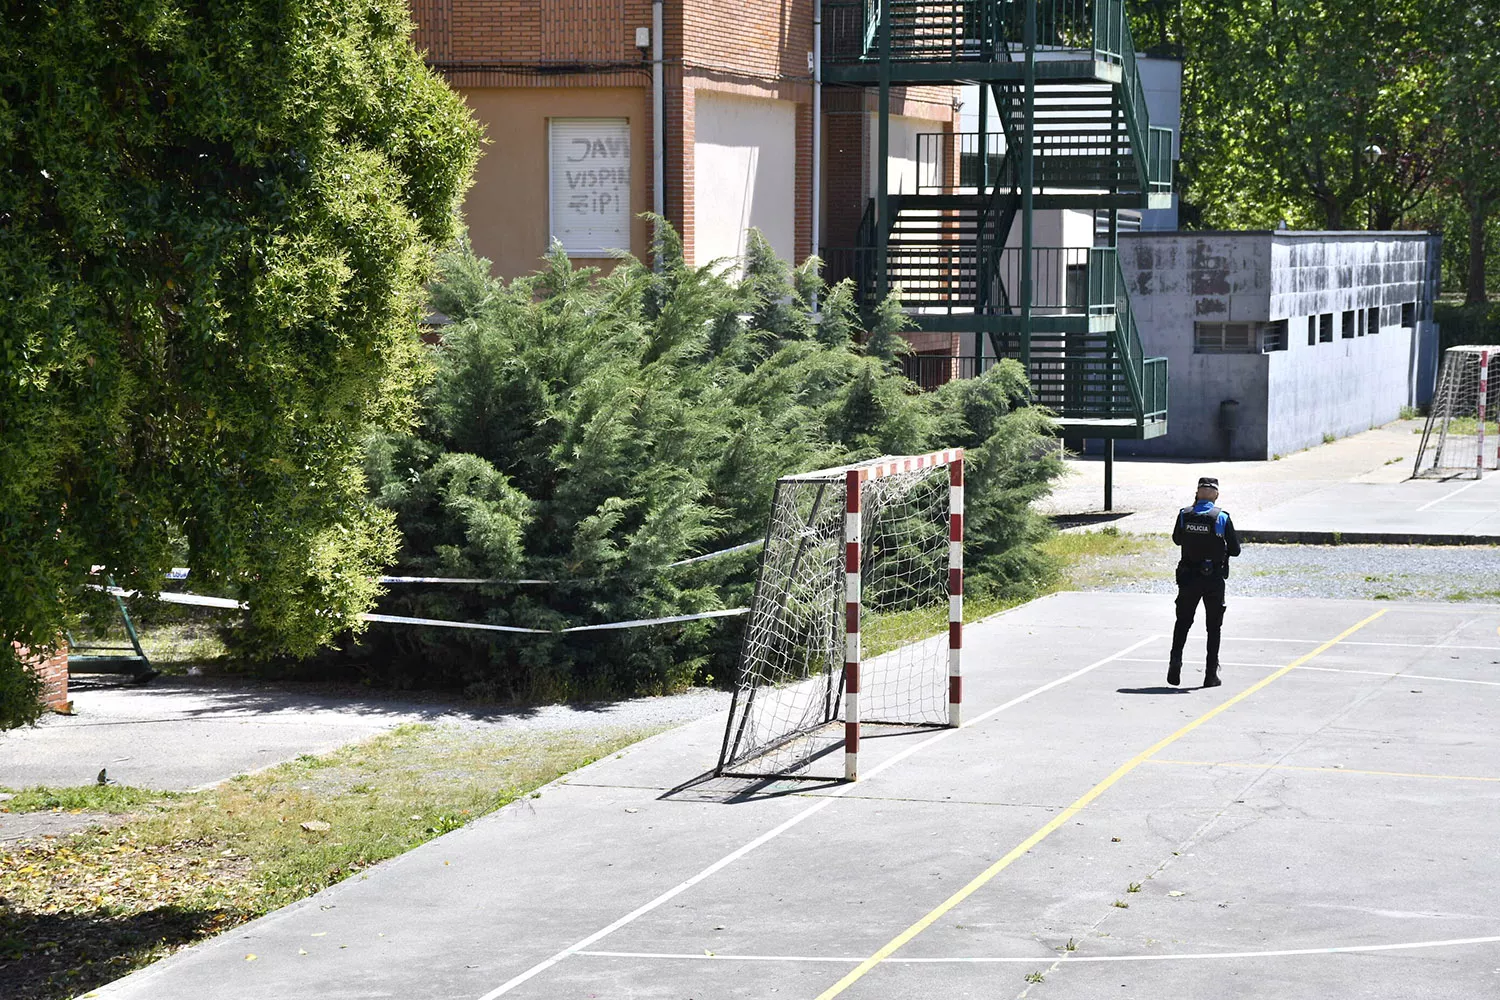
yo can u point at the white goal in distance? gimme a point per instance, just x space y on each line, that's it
857 617
1460 439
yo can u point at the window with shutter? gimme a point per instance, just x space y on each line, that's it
589 182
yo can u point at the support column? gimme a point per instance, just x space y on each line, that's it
1028 138
883 156
1109 473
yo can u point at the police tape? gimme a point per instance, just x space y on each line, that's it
182 572
202 600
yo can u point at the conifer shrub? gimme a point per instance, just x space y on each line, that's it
592 429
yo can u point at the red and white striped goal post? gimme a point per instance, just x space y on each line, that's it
1484 389
855 476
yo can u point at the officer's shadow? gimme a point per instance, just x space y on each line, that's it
1157 690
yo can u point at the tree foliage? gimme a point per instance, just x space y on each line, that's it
215 223
593 430
1340 114
1322 113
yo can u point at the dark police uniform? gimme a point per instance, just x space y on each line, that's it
1207 537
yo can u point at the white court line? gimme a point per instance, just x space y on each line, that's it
1065 958
832 796
1414 677
1445 496
1401 645
1334 670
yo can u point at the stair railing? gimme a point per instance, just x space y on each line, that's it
1113 42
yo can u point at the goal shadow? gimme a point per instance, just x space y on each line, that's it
732 790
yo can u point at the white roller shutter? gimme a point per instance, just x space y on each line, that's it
590 184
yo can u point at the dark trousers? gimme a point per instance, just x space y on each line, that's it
1192 588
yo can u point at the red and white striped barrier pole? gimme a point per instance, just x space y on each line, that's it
853 483
1484 391
955 588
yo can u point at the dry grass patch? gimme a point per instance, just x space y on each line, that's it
78 912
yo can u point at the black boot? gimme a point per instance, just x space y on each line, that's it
1211 676
1174 671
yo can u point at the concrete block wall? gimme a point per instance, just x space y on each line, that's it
1290 399
1347 385
1175 280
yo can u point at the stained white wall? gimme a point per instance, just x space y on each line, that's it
744 174
1288 399
902 165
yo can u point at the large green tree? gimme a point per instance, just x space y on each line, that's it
215 222
1323 113
1471 104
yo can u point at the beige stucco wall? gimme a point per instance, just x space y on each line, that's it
744 174
507 209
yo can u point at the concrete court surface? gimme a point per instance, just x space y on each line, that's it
1327 830
1355 486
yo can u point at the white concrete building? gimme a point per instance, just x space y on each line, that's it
1277 340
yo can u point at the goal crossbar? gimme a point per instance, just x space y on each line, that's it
870 548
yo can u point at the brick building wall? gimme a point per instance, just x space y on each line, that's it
52 671
501 52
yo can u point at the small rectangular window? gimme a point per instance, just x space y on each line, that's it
1325 328
1312 331
1359 322
1372 320
1273 336
1409 315
1224 338
1348 324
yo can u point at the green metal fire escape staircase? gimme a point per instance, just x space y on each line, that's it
1059 77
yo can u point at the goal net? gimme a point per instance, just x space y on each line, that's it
857 616
1461 438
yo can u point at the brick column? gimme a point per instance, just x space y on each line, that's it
52 671
681 136
845 169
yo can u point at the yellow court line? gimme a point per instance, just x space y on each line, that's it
1020 849
1334 770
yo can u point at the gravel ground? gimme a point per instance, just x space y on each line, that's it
1371 572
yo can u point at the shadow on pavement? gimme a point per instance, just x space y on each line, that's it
1156 690
182 697
54 956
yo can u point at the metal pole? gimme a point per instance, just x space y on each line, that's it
883 155
984 139
1027 138
817 128
984 185
658 115
1109 473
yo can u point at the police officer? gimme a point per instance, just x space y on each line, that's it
1207 537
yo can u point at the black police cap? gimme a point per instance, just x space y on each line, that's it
1208 482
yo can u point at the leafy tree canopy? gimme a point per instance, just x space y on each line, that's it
215 223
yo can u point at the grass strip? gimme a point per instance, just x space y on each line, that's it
171 869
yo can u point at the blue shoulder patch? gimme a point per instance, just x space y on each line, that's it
1220 521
